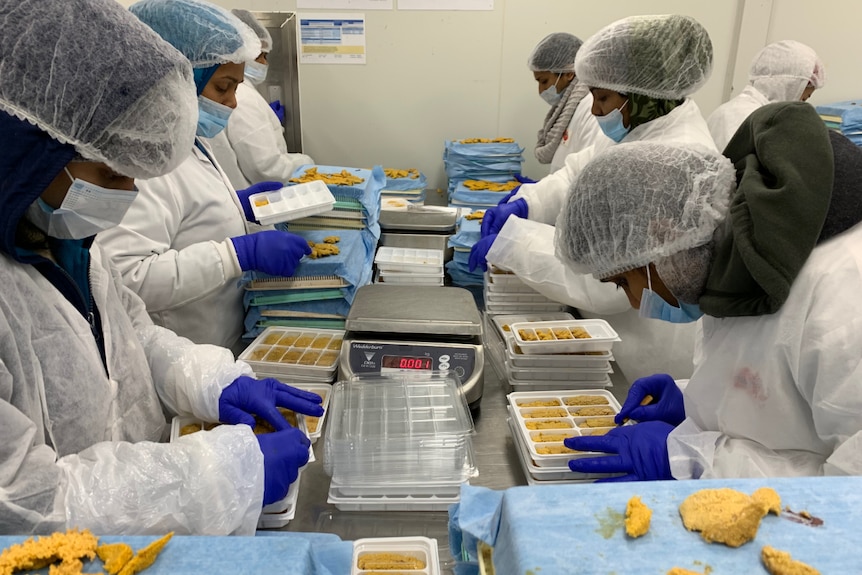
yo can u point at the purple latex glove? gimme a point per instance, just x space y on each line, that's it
639 451
667 404
279 110
284 452
255 189
246 397
494 218
272 252
479 253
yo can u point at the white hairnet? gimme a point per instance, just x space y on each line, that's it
641 202
90 75
262 33
782 70
206 34
555 53
666 57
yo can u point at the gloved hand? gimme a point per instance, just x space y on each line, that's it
272 252
246 397
284 452
494 218
255 189
640 452
479 252
667 404
523 180
279 110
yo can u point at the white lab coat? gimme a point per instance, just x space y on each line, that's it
583 132
173 248
76 444
781 394
526 247
252 148
727 118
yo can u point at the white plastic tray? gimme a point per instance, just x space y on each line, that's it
314 425
390 503
518 298
510 308
561 417
291 202
555 374
500 277
503 321
295 351
530 386
601 336
391 259
422 548
596 359
406 278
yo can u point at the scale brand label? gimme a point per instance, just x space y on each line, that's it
367 346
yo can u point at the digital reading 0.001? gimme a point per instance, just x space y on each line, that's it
407 362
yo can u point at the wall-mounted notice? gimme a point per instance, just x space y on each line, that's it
345 4
445 4
331 38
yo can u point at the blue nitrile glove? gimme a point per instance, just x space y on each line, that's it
255 189
510 195
272 252
279 110
640 452
284 452
667 404
494 218
479 253
246 397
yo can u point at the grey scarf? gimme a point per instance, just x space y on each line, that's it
557 121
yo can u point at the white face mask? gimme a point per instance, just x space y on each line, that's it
255 72
86 210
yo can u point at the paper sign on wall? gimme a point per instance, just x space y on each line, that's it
331 38
345 4
445 4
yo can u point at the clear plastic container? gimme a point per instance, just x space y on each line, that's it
295 351
549 337
392 259
291 203
391 502
396 555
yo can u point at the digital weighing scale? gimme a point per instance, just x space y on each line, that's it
397 329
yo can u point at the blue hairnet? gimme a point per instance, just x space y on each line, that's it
262 33
206 34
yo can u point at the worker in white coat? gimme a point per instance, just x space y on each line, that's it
569 126
91 99
188 238
641 71
777 390
252 149
784 71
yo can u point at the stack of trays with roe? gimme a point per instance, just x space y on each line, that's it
400 442
505 293
489 164
396 555
408 266
407 185
307 355
540 421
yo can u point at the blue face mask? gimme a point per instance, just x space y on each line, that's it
653 306
612 124
255 72
212 117
551 96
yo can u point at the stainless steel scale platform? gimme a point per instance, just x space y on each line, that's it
392 329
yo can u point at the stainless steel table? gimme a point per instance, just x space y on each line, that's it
495 457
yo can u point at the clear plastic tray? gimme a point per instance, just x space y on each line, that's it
501 277
553 374
295 351
390 503
291 203
392 259
422 549
563 336
545 426
584 360
504 322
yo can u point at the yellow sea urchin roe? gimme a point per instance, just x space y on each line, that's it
542 413
545 437
592 410
585 400
538 403
548 424
597 422
553 450
638 517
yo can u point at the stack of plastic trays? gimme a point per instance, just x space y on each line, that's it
295 355
505 293
408 266
401 442
291 203
408 189
541 421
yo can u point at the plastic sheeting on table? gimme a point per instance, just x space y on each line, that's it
551 529
469 232
288 553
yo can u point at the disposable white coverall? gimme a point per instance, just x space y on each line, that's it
252 148
727 118
173 249
781 394
583 132
76 444
526 247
